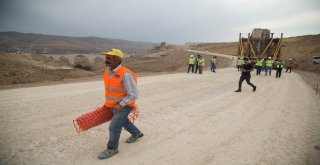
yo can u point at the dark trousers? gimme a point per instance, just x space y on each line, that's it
247 78
288 68
197 67
200 69
259 70
278 74
213 67
192 68
239 67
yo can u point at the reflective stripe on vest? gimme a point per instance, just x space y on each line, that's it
114 89
114 98
280 65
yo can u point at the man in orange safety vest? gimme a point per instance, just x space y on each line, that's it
120 93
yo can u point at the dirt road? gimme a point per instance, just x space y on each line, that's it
186 119
214 54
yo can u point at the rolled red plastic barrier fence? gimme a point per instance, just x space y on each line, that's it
92 119
99 116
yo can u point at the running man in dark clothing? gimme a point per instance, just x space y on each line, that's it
245 75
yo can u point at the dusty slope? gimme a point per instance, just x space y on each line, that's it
22 69
30 42
37 68
186 118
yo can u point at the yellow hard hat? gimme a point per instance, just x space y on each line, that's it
114 52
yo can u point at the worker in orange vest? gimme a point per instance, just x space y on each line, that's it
289 65
120 95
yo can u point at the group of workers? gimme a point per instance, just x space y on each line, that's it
267 65
245 66
199 62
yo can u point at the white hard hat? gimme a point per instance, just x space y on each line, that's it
191 55
269 57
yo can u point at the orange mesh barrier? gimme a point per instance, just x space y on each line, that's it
99 116
134 114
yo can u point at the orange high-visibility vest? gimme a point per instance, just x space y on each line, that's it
115 90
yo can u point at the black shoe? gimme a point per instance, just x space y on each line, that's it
254 88
237 90
132 138
107 153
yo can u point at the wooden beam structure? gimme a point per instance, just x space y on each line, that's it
262 46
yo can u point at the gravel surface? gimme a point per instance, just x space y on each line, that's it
186 119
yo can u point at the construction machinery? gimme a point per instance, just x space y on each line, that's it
260 43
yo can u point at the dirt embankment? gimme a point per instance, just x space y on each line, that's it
22 69
312 79
229 48
302 49
37 69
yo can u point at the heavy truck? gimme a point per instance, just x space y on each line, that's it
260 43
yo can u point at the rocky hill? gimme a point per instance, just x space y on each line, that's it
12 42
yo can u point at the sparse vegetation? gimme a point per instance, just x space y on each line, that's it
79 66
85 67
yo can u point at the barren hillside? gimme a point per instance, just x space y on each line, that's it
29 42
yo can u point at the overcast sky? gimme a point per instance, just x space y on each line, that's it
172 21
